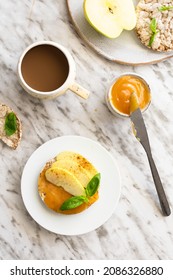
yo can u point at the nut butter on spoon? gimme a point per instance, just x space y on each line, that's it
141 135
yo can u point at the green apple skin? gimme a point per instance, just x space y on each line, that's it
114 16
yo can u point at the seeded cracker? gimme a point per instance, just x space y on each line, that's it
160 11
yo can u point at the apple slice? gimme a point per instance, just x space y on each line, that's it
87 166
65 179
110 17
74 168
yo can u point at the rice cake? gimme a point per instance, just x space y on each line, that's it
54 196
147 10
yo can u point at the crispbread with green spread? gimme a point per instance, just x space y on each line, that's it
10 127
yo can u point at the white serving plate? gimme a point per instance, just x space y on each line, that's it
94 216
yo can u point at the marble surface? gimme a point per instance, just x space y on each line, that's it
137 229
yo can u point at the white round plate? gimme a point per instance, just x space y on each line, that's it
94 216
126 49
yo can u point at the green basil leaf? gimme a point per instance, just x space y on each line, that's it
73 202
152 38
153 25
93 185
165 8
10 124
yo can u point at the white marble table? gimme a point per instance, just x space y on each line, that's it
137 229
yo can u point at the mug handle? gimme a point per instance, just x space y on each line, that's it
79 90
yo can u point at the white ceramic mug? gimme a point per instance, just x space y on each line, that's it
69 82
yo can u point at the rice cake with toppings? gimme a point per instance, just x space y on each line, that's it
52 195
146 11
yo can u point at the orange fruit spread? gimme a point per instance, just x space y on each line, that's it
122 90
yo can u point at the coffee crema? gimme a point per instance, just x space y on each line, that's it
45 68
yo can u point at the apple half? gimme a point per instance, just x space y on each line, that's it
110 17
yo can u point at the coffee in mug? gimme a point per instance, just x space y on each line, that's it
46 70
